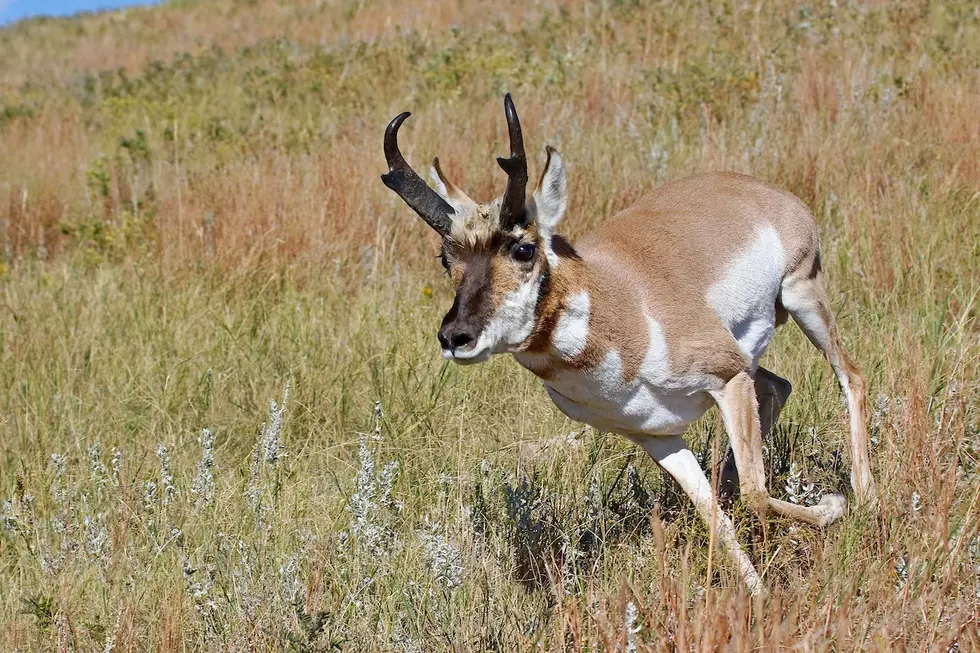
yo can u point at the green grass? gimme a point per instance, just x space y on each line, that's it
183 240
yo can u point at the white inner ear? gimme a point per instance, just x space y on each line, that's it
456 198
551 195
437 182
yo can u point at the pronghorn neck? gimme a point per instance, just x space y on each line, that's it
561 325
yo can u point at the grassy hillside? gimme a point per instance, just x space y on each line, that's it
192 227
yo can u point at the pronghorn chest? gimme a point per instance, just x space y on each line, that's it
602 398
591 383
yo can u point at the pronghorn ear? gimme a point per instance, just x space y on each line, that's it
456 198
550 198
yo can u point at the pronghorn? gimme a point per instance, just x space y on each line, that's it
665 308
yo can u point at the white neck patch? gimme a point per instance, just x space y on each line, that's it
572 330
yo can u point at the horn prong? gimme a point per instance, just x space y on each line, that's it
512 204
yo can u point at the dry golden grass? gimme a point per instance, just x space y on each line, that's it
181 239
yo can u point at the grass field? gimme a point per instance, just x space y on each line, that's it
224 421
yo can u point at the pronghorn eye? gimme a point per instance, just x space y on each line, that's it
444 261
523 253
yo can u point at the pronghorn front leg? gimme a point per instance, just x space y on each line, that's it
672 454
739 411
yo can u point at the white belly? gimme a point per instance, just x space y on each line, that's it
600 397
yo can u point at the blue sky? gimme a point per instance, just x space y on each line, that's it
11 10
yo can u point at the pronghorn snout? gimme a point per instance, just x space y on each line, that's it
461 327
454 336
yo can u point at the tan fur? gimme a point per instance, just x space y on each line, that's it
658 258
471 228
666 251
505 279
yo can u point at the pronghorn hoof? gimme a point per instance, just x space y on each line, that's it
833 508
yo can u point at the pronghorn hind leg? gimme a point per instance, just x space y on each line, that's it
771 392
739 411
673 455
806 300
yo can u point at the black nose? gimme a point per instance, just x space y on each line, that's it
453 337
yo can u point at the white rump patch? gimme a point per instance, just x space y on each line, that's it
572 329
745 295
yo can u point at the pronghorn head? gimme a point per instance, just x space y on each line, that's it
499 255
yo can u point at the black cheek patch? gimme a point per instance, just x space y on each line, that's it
542 293
563 248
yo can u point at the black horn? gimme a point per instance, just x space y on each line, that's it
402 179
512 204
